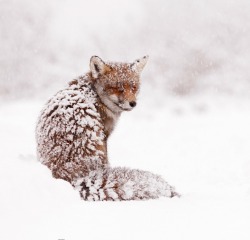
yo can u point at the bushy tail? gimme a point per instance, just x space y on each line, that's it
118 184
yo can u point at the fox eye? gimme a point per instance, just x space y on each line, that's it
121 90
133 88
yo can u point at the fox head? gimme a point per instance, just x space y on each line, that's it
117 84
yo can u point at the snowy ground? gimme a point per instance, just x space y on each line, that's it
200 146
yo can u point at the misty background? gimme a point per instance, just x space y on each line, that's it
191 124
195 47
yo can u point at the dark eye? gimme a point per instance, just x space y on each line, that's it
134 88
121 90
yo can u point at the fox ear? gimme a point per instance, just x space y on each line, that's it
139 64
97 66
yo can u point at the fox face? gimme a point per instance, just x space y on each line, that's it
117 84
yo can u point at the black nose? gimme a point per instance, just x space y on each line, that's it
132 104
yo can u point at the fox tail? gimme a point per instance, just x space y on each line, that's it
117 184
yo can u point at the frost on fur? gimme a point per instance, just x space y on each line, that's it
139 64
74 126
122 184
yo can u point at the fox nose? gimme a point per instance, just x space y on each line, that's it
132 104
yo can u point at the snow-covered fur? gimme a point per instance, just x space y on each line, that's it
74 126
122 184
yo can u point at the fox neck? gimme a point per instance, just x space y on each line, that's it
109 115
109 118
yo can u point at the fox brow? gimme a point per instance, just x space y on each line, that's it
119 83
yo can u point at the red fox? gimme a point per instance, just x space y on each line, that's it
74 126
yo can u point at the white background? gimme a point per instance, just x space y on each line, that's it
191 124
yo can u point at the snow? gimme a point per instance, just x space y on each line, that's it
200 145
